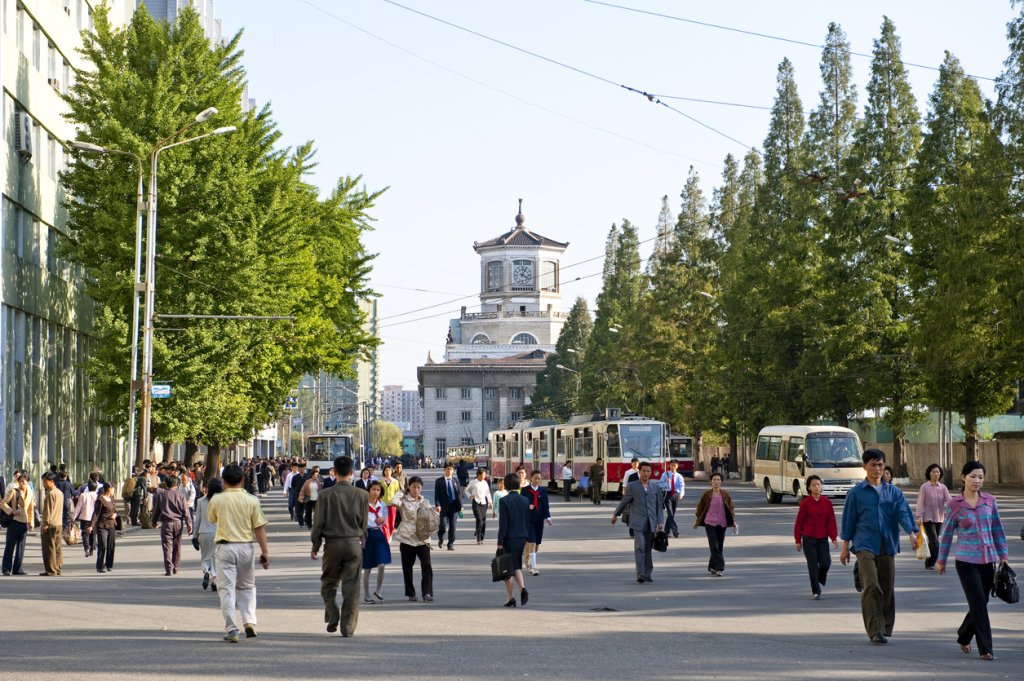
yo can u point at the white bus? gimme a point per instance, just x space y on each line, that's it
786 455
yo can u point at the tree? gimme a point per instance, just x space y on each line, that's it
556 394
959 209
387 439
240 233
884 149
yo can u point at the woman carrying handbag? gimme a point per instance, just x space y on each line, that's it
104 526
981 543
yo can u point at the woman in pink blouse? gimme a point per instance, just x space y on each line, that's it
931 510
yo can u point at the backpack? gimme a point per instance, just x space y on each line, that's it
129 488
427 522
139 493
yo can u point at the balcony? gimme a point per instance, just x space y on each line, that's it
513 314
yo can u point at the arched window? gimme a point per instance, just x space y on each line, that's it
524 339
495 270
480 338
549 275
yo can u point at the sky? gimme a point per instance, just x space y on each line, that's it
458 126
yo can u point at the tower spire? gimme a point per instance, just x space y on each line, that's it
520 218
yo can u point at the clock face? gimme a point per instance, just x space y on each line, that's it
522 275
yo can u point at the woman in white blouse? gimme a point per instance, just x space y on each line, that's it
203 532
84 509
377 552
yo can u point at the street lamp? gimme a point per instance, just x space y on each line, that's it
140 207
150 285
579 378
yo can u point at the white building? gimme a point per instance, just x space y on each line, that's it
404 408
167 10
492 357
45 317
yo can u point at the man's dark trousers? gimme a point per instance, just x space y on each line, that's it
878 600
341 562
170 538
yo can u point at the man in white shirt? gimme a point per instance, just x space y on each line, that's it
479 491
567 479
286 488
632 474
673 486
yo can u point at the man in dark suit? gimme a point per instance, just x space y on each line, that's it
172 514
339 523
513 531
645 502
447 502
596 481
540 513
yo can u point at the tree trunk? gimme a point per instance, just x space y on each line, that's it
212 461
971 434
844 420
899 464
191 449
698 443
168 451
733 442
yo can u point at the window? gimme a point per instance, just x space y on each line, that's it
524 339
480 338
51 62
65 81
466 441
549 275
515 393
465 393
52 239
494 278
78 15
796 445
36 47
51 156
440 393
466 416
440 448
768 448
489 416
490 393
515 415
19 28
442 416
3 8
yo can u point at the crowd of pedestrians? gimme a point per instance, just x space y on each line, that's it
354 518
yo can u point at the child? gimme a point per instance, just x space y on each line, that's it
500 494
584 484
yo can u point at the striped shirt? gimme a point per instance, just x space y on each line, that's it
980 536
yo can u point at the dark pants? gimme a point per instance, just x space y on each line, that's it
643 558
307 513
819 560
878 599
88 538
263 482
104 538
567 488
53 556
931 531
409 556
293 500
595 490
480 515
447 525
133 510
14 546
341 563
976 580
170 538
671 503
716 542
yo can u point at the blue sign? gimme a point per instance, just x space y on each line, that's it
160 391
297 421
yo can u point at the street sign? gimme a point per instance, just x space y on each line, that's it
297 421
160 391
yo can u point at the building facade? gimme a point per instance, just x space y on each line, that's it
403 408
167 10
45 318
492 357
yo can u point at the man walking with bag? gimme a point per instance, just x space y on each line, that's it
171 511
644 499
339 523
239 520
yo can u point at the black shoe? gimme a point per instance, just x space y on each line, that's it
213 586
524 596
675 534
510 603
250 631
7 573
46 574
640 580
206 581
20 573
440 543
451 548
879 640
100 570
167 573
332 627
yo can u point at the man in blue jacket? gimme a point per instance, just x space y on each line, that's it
872 516
513 532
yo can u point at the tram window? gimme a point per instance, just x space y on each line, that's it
614 450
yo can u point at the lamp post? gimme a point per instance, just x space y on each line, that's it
579 378
150 284
140 208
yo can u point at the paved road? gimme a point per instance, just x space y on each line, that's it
587 617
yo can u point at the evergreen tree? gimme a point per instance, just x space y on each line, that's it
959 208
884 149
557 392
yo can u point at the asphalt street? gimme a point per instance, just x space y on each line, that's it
587 617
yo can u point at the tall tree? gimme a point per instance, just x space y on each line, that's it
884 149
557 391
240 233
960 209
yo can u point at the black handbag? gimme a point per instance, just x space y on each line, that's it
501 567
660 541
1005 585
7 518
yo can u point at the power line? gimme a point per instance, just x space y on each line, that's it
564 65
757 34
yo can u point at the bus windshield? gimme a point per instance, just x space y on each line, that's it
838 450
641 441
328 447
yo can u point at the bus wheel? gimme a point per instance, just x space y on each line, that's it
770 496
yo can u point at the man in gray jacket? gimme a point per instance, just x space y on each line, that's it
645 503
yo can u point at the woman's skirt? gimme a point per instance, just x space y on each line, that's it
377 551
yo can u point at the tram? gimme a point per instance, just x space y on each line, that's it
680 448
475 455
545 446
